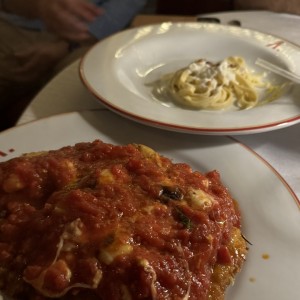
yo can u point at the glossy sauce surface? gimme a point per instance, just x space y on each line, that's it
97 221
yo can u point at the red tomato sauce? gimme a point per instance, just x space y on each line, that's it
97 221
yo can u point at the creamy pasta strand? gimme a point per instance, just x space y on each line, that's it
207 85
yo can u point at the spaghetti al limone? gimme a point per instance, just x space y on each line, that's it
207 85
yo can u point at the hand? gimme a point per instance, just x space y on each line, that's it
68 18
38 59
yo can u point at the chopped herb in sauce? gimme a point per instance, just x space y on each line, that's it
184 219
170 193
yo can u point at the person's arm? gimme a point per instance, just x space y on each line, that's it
19 7
67 18
37 59
288 6
117 15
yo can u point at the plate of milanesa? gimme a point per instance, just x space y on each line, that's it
95 206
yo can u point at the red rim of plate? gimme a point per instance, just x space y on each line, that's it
243 130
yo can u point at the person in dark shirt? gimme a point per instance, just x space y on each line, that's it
40 37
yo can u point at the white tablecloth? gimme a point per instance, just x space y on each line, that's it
281 148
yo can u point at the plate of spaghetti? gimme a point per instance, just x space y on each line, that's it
195 78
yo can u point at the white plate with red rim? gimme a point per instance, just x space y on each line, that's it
120 69
270 209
